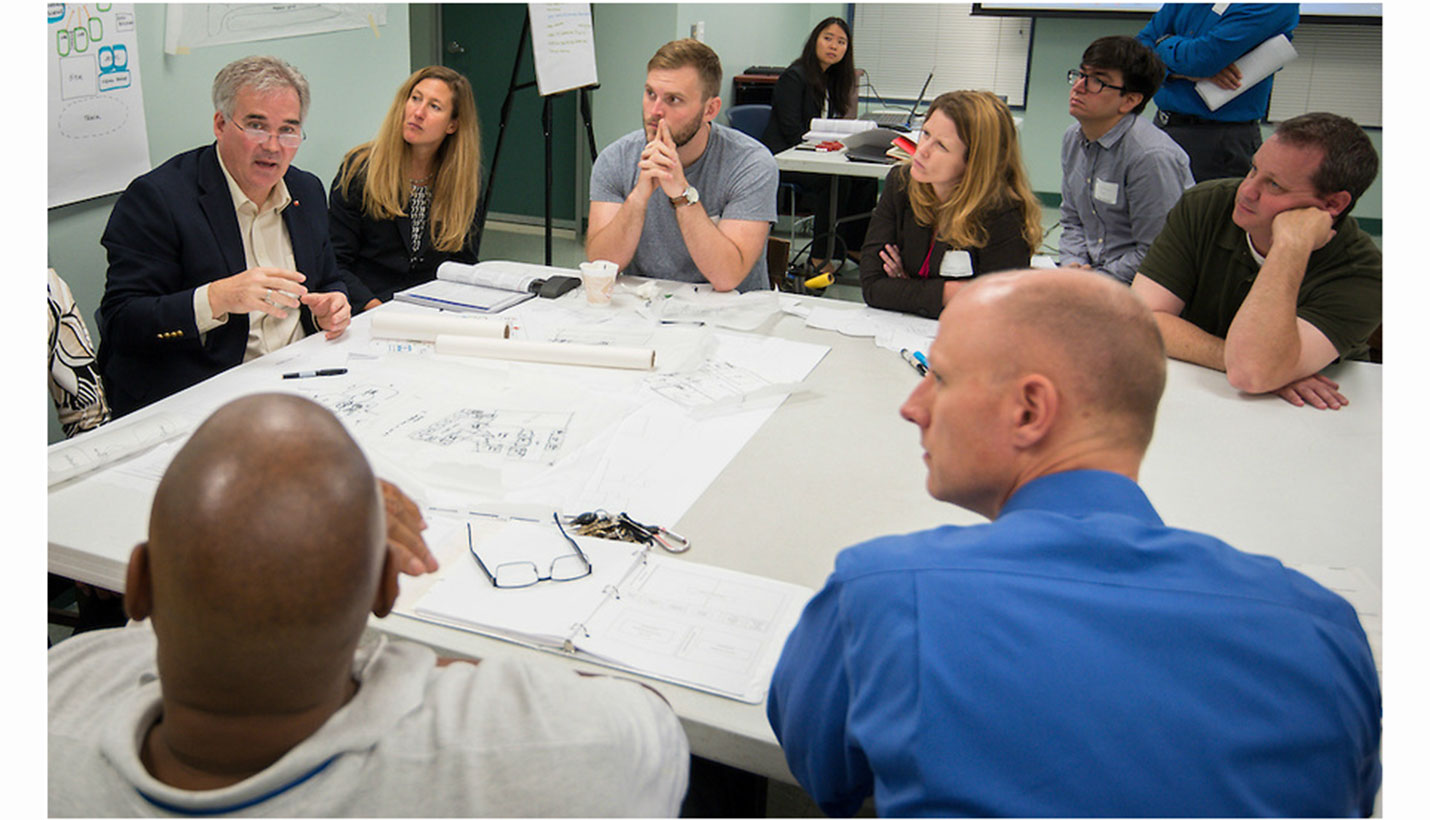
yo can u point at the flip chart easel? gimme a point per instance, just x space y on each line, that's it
556 62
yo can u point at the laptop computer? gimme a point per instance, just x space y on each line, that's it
896 120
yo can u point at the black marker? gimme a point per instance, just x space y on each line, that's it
328 371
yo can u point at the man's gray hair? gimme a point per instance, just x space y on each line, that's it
262 74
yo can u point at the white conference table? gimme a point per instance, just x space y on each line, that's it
835 465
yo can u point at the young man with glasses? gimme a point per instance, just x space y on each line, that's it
222 253
1121 175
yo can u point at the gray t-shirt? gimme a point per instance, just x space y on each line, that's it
502 738
737 179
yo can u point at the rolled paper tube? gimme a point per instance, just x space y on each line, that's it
422 328
629 358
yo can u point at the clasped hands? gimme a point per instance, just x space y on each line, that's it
660 164
274 291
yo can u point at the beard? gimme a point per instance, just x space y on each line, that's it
679 137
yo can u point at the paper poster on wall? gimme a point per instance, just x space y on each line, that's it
189 26
97 138
564 46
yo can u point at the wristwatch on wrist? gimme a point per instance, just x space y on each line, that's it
689 197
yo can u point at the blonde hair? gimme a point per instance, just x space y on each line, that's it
457 181
690 52
993 174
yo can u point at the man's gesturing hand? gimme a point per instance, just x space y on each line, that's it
331 311
270 290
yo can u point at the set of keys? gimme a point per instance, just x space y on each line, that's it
621 527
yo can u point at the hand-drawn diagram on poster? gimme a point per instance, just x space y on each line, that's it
386 415
524 436
190 26
97 138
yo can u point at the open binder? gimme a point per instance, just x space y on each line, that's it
704 627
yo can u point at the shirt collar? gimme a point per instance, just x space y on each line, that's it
1081 493
278 198
1116 132
1255 254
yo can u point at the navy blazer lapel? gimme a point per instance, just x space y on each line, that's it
216 202
304 254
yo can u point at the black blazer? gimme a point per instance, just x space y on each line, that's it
893 223
374 256
171 231
793 106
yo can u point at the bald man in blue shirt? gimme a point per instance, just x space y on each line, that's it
1074 656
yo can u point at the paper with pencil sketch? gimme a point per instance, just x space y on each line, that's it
1255 65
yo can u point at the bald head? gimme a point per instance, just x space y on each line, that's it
1032 373
266 547
1090 334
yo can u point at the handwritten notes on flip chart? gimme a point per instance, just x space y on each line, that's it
564 46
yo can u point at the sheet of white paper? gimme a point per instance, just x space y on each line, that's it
111 443
1255 65
698 625
737 311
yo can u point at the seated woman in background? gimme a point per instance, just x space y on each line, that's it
821 83
407 201
962 206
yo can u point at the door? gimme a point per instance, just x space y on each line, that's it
480 40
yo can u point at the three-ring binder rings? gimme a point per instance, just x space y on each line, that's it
663 617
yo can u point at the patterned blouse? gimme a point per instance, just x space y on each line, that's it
417 209
75 385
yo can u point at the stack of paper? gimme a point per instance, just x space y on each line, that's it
828 129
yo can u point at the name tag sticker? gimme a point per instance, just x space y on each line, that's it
956 265
1104 191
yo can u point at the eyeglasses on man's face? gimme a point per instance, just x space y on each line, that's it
288 136
1093 84
515 574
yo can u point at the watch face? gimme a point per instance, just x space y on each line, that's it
691 195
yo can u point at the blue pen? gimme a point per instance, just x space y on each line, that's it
922 360
914 362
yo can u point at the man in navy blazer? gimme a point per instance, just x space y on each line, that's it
222 253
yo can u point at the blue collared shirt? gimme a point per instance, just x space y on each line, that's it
1200 39
1077 657
1117 191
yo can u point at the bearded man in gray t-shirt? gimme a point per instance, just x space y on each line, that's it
684 198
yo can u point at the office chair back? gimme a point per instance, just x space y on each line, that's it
750 118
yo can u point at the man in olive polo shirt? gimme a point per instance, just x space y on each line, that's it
1268 278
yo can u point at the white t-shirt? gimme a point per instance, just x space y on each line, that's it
500 738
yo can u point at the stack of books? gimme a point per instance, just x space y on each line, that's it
901 149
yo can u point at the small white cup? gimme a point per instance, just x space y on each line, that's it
598 279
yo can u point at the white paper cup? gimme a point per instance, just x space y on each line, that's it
598 279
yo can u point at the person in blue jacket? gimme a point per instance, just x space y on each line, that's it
1203 41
